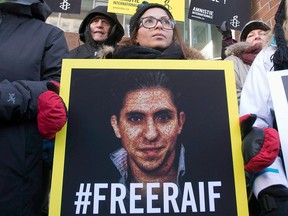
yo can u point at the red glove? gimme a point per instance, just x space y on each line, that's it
52 113
260 146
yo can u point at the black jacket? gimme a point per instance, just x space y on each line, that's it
91 48
31 53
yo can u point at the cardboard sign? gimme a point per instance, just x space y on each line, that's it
236 13
278 81
65 6
176 7
143 151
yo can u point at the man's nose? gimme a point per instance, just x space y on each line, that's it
99 23
151 132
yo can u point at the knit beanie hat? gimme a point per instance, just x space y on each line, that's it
141 8
252 25
280 57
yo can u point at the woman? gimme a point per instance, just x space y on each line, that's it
243 53
153 35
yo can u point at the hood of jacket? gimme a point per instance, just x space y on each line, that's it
237 49
37 9
116 31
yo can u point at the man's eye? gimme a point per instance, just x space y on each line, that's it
164 117
135 118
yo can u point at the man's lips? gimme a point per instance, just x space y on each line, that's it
151 150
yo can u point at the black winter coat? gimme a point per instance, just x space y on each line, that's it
31 53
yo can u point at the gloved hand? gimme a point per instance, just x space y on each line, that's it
225 31
260 146
52 112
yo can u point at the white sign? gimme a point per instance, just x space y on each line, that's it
279 90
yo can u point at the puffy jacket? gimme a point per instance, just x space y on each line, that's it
31 53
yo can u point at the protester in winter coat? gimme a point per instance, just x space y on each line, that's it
252 38
31 52
100 31
269 183
153 35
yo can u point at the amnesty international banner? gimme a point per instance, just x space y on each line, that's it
235 12
176 7
278 81
149 137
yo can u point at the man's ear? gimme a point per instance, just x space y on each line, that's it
181 121
114 124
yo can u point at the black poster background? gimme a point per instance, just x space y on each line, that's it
206 136
65 6
235 12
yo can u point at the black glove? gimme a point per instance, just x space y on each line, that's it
260 146
225 31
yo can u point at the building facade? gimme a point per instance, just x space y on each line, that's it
202 36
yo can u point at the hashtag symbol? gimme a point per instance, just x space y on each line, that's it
83 202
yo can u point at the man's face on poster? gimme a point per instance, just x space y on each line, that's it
148 127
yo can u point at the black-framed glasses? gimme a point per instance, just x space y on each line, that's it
151 22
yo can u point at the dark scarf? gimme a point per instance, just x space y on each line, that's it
250 53
138 52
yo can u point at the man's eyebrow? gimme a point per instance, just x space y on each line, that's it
133 113
164 111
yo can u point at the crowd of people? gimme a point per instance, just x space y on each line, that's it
32 112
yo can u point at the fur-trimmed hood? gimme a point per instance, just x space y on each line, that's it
237 49
193 54
105 52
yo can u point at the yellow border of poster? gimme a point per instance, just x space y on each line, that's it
176 7
226 66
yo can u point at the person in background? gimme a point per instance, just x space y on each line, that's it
100 31
31 53
242 53
154 35
269 184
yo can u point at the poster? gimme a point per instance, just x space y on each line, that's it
236 13
65 6
181 155
176 7
278 81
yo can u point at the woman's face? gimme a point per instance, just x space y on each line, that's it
257 36
157 37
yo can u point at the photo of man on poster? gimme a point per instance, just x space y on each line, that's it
148 123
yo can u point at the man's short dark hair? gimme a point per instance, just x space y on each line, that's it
136 80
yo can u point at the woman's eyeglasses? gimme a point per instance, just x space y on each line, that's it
151 22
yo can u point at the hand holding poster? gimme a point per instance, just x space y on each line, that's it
149 137
236 13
